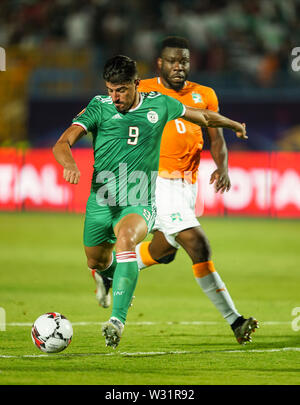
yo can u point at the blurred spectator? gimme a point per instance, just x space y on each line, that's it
245 36
77 24
235 44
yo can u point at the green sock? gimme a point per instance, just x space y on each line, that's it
124 283
109 272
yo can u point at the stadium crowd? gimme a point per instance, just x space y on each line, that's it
251 37
241 48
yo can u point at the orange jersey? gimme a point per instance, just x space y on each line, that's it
182 141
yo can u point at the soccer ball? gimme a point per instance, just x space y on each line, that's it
52 332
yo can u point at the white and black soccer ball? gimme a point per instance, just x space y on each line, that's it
52 332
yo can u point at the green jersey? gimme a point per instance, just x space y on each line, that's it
126 146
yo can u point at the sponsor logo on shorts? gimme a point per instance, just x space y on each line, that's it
147 214
176 217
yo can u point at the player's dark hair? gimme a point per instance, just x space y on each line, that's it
119 69
174 42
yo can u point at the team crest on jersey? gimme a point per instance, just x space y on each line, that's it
197 97
152 116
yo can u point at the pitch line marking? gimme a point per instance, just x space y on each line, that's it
126 354
153 323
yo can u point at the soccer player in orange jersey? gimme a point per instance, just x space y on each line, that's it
176 187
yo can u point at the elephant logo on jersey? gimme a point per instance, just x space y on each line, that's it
152 117
197 98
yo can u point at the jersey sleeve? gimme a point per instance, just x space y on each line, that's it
89 117
212 101
175 108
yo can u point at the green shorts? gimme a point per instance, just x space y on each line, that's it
100 220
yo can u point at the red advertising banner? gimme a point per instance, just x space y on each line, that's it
11 162
263 184
33 180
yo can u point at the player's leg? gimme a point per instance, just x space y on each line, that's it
99 257
129 230
196 244
168 195
98 240
102 262
156 251
180 227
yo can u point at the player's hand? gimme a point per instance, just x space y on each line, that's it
241 131
203 122
221 180
71 174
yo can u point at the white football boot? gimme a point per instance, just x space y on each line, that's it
112 331
103 285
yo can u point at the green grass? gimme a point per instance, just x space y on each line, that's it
42 269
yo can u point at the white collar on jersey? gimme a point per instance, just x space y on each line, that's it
139 104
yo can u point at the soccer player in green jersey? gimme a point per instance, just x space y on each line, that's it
127 127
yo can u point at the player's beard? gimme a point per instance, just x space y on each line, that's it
177 86
124 109
174 85
120 108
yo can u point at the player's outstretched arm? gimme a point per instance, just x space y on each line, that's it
63 155
208 118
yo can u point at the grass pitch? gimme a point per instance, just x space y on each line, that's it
173 335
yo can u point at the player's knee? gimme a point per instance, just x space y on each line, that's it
199 249
126 240
167 259
97 264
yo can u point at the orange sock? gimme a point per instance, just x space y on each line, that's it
145 255
203 269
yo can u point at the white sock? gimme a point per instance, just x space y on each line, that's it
214 288
139 260
143 256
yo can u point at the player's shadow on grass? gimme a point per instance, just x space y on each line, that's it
217 341
200 343
271 370
276 342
